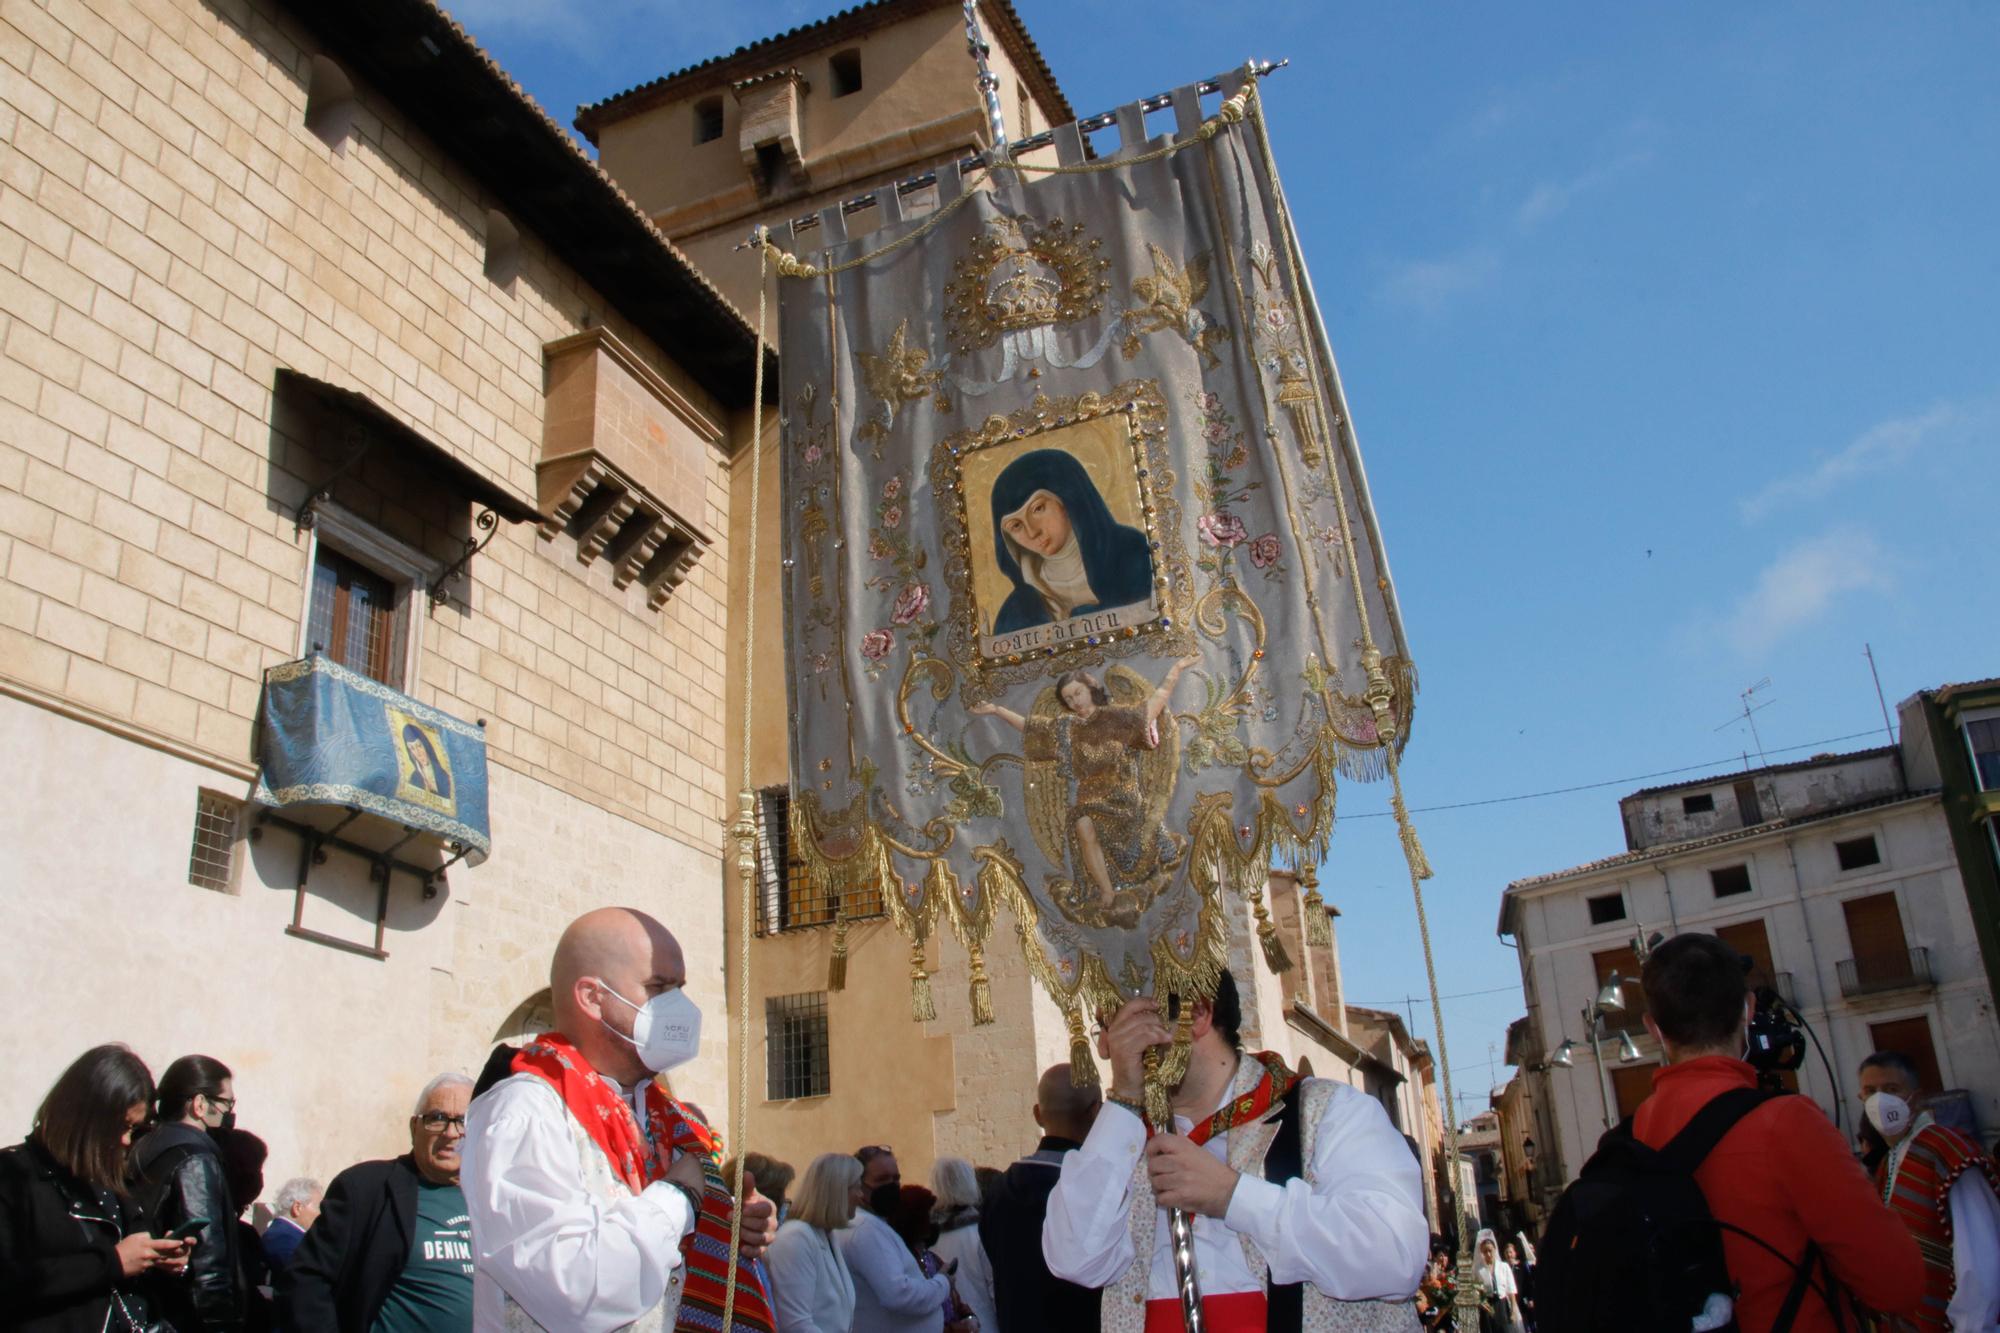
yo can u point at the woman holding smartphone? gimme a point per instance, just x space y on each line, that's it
69 1257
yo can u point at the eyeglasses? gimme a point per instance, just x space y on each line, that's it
220 1103
438 1121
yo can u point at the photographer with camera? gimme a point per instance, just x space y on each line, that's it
1782 1174
1724 1202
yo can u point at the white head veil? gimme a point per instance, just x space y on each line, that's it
1481 1269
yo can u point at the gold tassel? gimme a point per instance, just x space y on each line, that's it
1319 926
922 1007
836 964
1082 1068
1275 956
982 989
1413 851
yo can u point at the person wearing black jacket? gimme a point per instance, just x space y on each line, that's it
350 1264
180 1180
1026 1298
69 1245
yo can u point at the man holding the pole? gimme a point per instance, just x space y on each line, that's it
1308 1205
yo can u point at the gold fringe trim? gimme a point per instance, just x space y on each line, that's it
1319 926
982 990
922 1007
836 963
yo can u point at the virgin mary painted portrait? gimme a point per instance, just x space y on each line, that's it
1060 546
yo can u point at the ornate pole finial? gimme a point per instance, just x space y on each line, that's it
989 83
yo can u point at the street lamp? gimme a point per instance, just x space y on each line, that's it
1610 1000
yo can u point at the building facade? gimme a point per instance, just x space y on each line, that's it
303 303
1836 877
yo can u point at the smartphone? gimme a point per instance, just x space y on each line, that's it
187 1230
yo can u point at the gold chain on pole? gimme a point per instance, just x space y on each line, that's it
746 819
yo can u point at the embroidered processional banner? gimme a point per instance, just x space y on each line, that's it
1087 608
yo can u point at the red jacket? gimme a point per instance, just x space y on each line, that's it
1784 1174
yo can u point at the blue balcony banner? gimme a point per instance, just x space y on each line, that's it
333 737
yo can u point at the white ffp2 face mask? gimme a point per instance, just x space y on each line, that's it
1889 1114
666 1029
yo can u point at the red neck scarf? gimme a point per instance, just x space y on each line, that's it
607 1118
1272 1084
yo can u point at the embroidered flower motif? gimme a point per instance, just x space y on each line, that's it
911 602
1216 431
1264 552
892 517
1210 402
1237 456
892 488
1222 528
812 453
1275 318
880 549
822 663
876 643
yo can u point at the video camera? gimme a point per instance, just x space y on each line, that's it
1777 1038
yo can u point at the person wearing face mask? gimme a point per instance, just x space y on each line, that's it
1780 1181
891 1293
179 1180
1941 1185
596 1200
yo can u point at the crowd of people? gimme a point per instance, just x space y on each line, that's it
565 1188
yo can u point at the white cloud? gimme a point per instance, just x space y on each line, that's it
1549 198
1881 447
1428 285
1802 584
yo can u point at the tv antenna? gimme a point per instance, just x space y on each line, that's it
1749 715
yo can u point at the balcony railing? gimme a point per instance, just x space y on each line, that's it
1872 974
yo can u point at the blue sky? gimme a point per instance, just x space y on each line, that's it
1672 335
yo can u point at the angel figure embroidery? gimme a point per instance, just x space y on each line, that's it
1100 774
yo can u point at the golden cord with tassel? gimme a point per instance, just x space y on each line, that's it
922 1007
1319 926
1275 956
982 989
1082 1068
836 962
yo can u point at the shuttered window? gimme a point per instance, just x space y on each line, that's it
353 618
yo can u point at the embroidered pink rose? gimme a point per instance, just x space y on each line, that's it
1210 402
1275 317
892 488
812 454
1216 431
1222 528
1264 552
892 517
911 602
876 643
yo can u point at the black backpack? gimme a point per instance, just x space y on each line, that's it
1632 1244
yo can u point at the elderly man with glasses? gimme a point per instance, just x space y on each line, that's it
390 1252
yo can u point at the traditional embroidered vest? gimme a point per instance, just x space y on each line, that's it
602 1184
1124 1304
1931 1164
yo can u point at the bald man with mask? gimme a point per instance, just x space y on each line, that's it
595 1198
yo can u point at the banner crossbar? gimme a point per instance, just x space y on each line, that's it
1042 139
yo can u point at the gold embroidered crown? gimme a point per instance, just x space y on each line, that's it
1023 274
1027 294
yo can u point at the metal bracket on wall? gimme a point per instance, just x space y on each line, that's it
487 522
364 440
313 845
